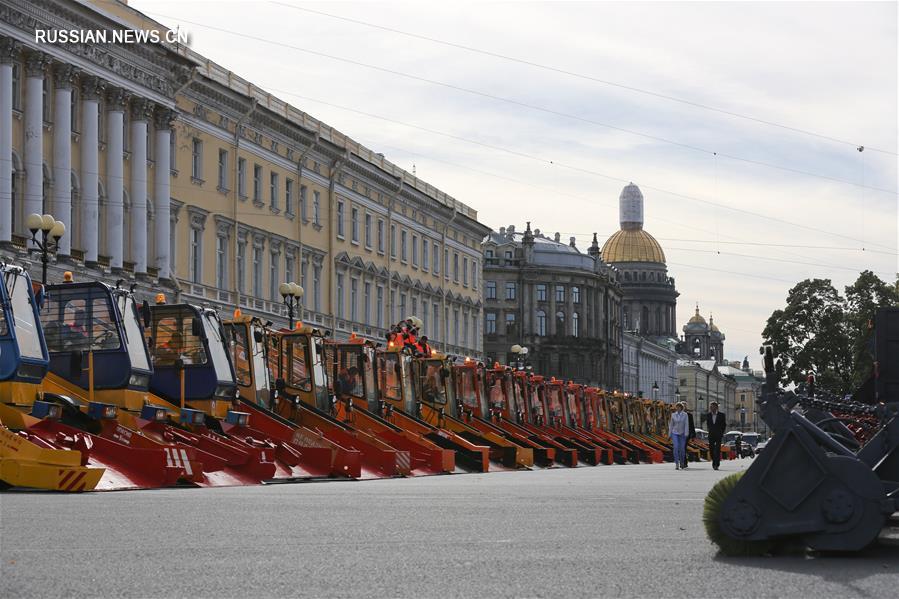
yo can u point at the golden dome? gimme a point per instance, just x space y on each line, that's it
696 318
632 245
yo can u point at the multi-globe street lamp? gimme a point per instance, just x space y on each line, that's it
292 295
51 230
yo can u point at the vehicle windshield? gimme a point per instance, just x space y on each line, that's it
134 334
368 368
241 353
432 388
173 338
27 333
495 394
295 362
572 407
346 363
465 389
388 375
218 347
554 395
319 376
79 319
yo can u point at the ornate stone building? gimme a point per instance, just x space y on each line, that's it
703 340
562 304
172 171
649 299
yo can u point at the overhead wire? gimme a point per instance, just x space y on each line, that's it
522 104
586 77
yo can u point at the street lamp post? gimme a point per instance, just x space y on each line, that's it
677 395
292 294
520 353
51 230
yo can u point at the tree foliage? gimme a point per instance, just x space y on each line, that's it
821 332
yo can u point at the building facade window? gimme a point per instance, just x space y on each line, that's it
304 216
340 231
288 196
339 306
223 170
379 307
317 287
316 208
455 267
575 324
242 177
541 292
576 295
510 323
354 224
560 323
257 271
490 290
354 299
380 236
273 190
490 323
368 230
560 293
196 255
436 259
257 183
511 291
366 303
221 261
465 271
415 250
196 159
241 266
425 244
403 245
393 241
274 281
541 323
474 274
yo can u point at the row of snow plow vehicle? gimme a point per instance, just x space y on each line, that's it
99 391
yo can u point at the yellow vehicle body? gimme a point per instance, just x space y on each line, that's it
25 464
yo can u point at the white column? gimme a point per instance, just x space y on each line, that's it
140 112
9 49
115 180
91 88
162 191
35 67
62 152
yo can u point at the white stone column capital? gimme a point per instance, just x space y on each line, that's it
141 109
64 76
36 64
92 88
116 98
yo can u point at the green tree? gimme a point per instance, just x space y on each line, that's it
863 298
810 335
821 332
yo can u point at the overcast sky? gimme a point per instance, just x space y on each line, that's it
829 69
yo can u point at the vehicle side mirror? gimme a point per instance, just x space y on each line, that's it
257 336
196 327
145 313
76 362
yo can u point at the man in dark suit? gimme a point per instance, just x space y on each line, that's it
691 434
715 424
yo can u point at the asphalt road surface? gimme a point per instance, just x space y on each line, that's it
603 531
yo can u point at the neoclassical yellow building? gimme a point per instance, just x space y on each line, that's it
176 173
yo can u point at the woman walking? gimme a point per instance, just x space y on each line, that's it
678 427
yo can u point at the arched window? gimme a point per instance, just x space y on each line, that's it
696 348
574 324
541 323
560 323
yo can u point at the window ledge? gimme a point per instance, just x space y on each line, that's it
317 226
258 204
274 209
290 215
223 190
243 196
197 180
